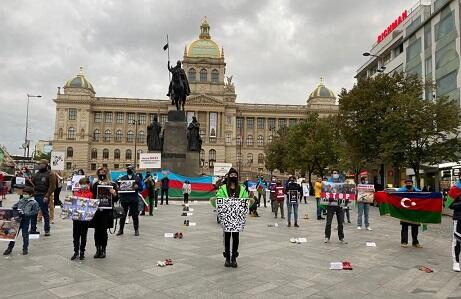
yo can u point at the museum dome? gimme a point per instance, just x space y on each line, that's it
204 46
321 91
79 82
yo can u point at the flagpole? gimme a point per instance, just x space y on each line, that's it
168 49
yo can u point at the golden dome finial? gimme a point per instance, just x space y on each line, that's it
204 29
321 80
81 71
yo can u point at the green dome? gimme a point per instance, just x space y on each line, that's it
204 46
79 82
321 91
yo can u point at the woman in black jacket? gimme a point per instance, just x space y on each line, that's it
103 218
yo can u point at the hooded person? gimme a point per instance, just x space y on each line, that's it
232 189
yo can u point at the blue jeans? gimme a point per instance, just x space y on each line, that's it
24 228
319 209
292 208
46 216
363 209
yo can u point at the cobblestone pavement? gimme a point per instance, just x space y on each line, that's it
269 265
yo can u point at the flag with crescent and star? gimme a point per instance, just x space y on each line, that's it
419 207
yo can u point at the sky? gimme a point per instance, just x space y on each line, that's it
276 50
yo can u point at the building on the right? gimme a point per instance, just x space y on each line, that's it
424 40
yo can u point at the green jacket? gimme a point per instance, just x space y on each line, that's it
222 193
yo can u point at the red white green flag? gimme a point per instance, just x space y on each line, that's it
419 207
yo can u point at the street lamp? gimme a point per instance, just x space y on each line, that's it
382 68
136 123
26 144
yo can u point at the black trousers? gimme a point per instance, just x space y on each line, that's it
57 201
151 203
331 210
80 232
186 197
133 206
164 192
100 236
235 242
404 232
263 195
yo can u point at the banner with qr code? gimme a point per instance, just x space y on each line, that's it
232 213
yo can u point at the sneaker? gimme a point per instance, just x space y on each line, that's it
456 267
342 241
327 240
82 256
47 234
359 227
155 209
417 245
404 245
369 229
73 257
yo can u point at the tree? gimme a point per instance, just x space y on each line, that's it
276 152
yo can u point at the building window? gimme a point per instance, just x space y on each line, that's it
239 122
428 67
414 49
270 138
163 119
203 75
96 135
72 114
214 76
250 140
445 26
130 136
94 154
104 165
116 166
250 158
108 117
202 154
260 140
445 55
105 153
292 122
118 136
141 137
239 140
446 83
142 118
68 165
427 36
260 158
70 152
97 117
93 166
191 75
130 118
151 117
228 138
128 155
71 133
250 123
271 123
120 117
282 122
261 123
116 154
107 135
211 157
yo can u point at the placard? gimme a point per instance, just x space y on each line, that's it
57 160
150 160
9 224
79 208
104 196
20 181
126 186
292 197
305 189
251 186
338 194
365 193
221 169
75 182
232 213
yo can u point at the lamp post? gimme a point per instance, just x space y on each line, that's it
26 141
382 68
136 123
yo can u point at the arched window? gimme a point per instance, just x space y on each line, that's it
60 133
141 137
107 135
128 155
94 154
250 140
260 140
239 140
191 75
105 153
130 136
96 135
202 154
214 76
82 134
261 159
203 75
270 139
70 152
250 158
211 158
118 136
71 133
116 154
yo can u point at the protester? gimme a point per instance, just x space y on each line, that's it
80 228
57 191
363 209
150 185
261 188
186 191
455 193
335 209
235 190
28 209
165 186
294 193
279 198
317 194
414 226
129 200
305 188
103 218
44 182
272 185
80 172
141 203
253 211
157 186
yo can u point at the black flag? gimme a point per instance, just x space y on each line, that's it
165 47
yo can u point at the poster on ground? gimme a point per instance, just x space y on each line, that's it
79 208
57 160
232 213
75 182
221 169
365 193
338 194
213 124
150 160
104 196
9 224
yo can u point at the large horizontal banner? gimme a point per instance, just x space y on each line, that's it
9 224
338 194
232 213
150 160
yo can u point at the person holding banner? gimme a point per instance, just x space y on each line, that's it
363 209
455 194
405 224
79 227
335 209
293 193
129 187
186 191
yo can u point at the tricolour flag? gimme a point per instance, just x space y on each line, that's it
418 207
453 193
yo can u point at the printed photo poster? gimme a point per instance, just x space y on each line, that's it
293 197
338 194
9 224
213 124
305 189
232 213
57 160
251 186
365 193
190 114
79 208
75 182
104 196
126 186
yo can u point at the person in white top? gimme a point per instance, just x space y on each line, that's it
186 190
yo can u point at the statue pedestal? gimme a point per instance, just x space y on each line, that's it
175 155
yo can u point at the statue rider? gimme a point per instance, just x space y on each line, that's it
182 76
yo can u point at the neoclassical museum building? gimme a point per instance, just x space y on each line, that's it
98 131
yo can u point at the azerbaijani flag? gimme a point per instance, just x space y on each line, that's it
455 192
419 207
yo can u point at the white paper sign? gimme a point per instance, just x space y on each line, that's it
336 266
371 244
302 240
169 235
20 180
57 160
190 214
221 169
75 184
192 224
150 160
191 209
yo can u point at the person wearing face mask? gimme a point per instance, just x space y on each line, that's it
279 199
103 218
44 182
317 192
272 185
129 200
294 192
362 210
405 224
332 210
80 228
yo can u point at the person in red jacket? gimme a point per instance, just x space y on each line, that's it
80 228
279 199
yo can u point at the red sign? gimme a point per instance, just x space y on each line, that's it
392 26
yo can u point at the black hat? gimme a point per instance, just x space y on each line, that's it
232 170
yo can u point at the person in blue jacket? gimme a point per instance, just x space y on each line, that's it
405 224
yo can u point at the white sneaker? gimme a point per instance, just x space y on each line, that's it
456 267
369 228
326 240
155 209
359 227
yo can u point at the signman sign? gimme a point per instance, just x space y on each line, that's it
392 26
